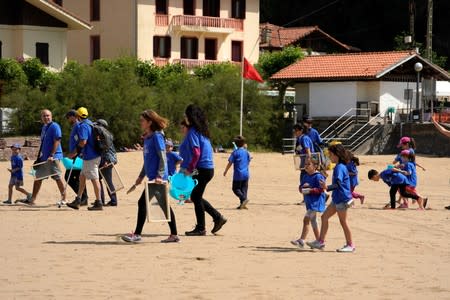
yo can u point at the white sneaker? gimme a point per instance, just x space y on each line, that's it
61 203
316 245
299 243
346 249
131 238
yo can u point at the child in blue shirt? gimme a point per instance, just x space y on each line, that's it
314 196
240 158
353 173
408 168
16 171
341 199
394 178
173 159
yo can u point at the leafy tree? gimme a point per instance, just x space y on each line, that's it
11 76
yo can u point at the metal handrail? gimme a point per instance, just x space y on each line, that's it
350 137
331 125
345 114
337 130
367 136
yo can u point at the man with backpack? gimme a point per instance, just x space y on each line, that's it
108 159
88 147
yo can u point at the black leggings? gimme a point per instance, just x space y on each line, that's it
74 182
142 214
201 205
403 193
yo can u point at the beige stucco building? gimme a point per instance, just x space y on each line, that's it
193 32
37 28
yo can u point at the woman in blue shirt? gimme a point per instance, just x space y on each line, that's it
197 154
341 198
155 168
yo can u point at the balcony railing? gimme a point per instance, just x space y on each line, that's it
160 62
194 63
198 21
161 20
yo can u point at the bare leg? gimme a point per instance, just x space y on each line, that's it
60 185
82 185
329 212
22 190
305 228
343 220
10 191
96 185
36 187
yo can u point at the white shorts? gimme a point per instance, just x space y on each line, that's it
90 168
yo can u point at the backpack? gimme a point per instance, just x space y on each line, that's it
103 139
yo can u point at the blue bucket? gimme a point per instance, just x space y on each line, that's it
68 163
181 187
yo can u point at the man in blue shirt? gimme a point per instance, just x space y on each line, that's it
51 152
74 180
91 160
312 133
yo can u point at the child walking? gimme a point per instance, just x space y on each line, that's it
354 181
173 159
240 158
16 171
314 195
408 168
341 199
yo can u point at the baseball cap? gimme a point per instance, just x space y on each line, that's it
405 152
404 140
71 113
307 118
82 112
169 143
17 146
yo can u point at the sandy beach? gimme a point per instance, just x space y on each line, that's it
51 253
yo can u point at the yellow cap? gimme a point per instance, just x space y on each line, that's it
82 112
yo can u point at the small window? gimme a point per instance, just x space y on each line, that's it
211 49
161 7
189 48
95 47
211 8
238 9
189 7
42 52
236 51
95 10
161 46
59 2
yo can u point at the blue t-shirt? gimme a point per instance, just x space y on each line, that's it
193 140
154 150
315 138
351 168
74 140
51 133
17 163
390 177
313 201
398 158
240 158
410 167
172 159
302 143
342 193
85 134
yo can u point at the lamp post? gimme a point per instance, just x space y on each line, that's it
418 67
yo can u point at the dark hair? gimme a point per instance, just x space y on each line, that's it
299 127
355 159
158 122
343 154
412 157
372 173
239 141
412 143
184 123
196 118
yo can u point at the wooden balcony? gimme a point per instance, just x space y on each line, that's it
160 62
161 20
210 24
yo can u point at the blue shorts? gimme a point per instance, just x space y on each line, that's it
15 182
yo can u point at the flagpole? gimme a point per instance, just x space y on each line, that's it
242 96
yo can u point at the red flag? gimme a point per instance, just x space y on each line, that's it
250 72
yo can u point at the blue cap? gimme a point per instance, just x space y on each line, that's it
17 146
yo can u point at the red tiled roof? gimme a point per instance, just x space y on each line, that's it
281 37
363 65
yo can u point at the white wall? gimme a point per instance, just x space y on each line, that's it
392 94
20 41
368 91
331 99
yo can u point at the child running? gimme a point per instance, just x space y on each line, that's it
173 159
408 168
341 199
155 168
353 173
394 178
314 195
16 171
240 158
